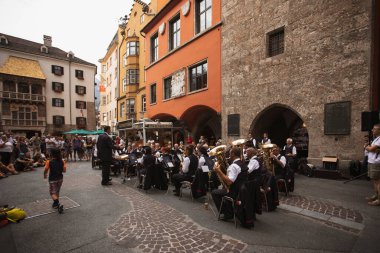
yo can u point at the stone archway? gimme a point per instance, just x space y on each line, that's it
202 120
281 122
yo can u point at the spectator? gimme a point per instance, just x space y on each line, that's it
23 164
6 149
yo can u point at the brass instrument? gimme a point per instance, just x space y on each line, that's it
219 153
268 163
239 143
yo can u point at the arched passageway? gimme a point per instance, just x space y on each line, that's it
202 121
281 122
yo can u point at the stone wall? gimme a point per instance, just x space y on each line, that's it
326 59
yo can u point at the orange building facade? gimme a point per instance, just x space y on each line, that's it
183 68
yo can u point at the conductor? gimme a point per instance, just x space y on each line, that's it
105 145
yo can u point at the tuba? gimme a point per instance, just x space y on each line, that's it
219 153
240 143
268 163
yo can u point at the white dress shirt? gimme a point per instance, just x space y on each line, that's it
233 170
253 164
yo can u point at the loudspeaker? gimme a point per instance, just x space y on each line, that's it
369 119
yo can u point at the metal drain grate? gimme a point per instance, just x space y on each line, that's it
42 207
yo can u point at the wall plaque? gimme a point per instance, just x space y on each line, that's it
186 8
338 118
233 125
178 83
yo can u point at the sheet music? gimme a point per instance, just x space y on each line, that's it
170 164
205 168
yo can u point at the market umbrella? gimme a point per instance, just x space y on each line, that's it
95 132
78 131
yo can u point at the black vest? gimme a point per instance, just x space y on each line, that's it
278 170
193 165
240 180
289 149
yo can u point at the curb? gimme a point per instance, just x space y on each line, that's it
323 217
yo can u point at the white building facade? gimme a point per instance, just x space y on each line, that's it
46 90
109 86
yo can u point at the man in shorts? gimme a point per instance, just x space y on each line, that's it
374 164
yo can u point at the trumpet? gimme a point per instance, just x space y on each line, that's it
219 153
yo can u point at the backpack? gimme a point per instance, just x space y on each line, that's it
13 214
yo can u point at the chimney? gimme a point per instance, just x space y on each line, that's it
47 41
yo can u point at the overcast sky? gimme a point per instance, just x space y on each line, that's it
85 27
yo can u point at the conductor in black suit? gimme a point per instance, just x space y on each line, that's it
105 145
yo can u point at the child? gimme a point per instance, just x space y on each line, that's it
56 166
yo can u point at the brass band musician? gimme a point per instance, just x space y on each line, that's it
236 176
189 166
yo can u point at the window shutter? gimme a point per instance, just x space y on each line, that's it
63 103
53 101
76 88
52 69
84 90
62 70
53 86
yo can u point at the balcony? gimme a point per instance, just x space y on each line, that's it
22 96
23 122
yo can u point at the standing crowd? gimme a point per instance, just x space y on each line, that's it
19 154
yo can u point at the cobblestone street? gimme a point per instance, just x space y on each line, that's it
126 219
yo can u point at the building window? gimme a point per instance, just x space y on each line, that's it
124 60
81 121
168 88
198 77
23 88
203 15
143 103
276 42
37 89
122 110
79 74
142 18
58 102
132 76
104 100
104 117
58 87
130 106
9 86
81 90
57 70
154 48
124 84
174 32
80 104
153 95
104 68
132 48
58 120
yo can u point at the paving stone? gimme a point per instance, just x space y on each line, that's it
148 223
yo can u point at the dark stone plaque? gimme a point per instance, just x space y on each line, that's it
233 122
338 118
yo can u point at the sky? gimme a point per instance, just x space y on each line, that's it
85 27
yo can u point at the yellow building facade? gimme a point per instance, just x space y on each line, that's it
131 102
